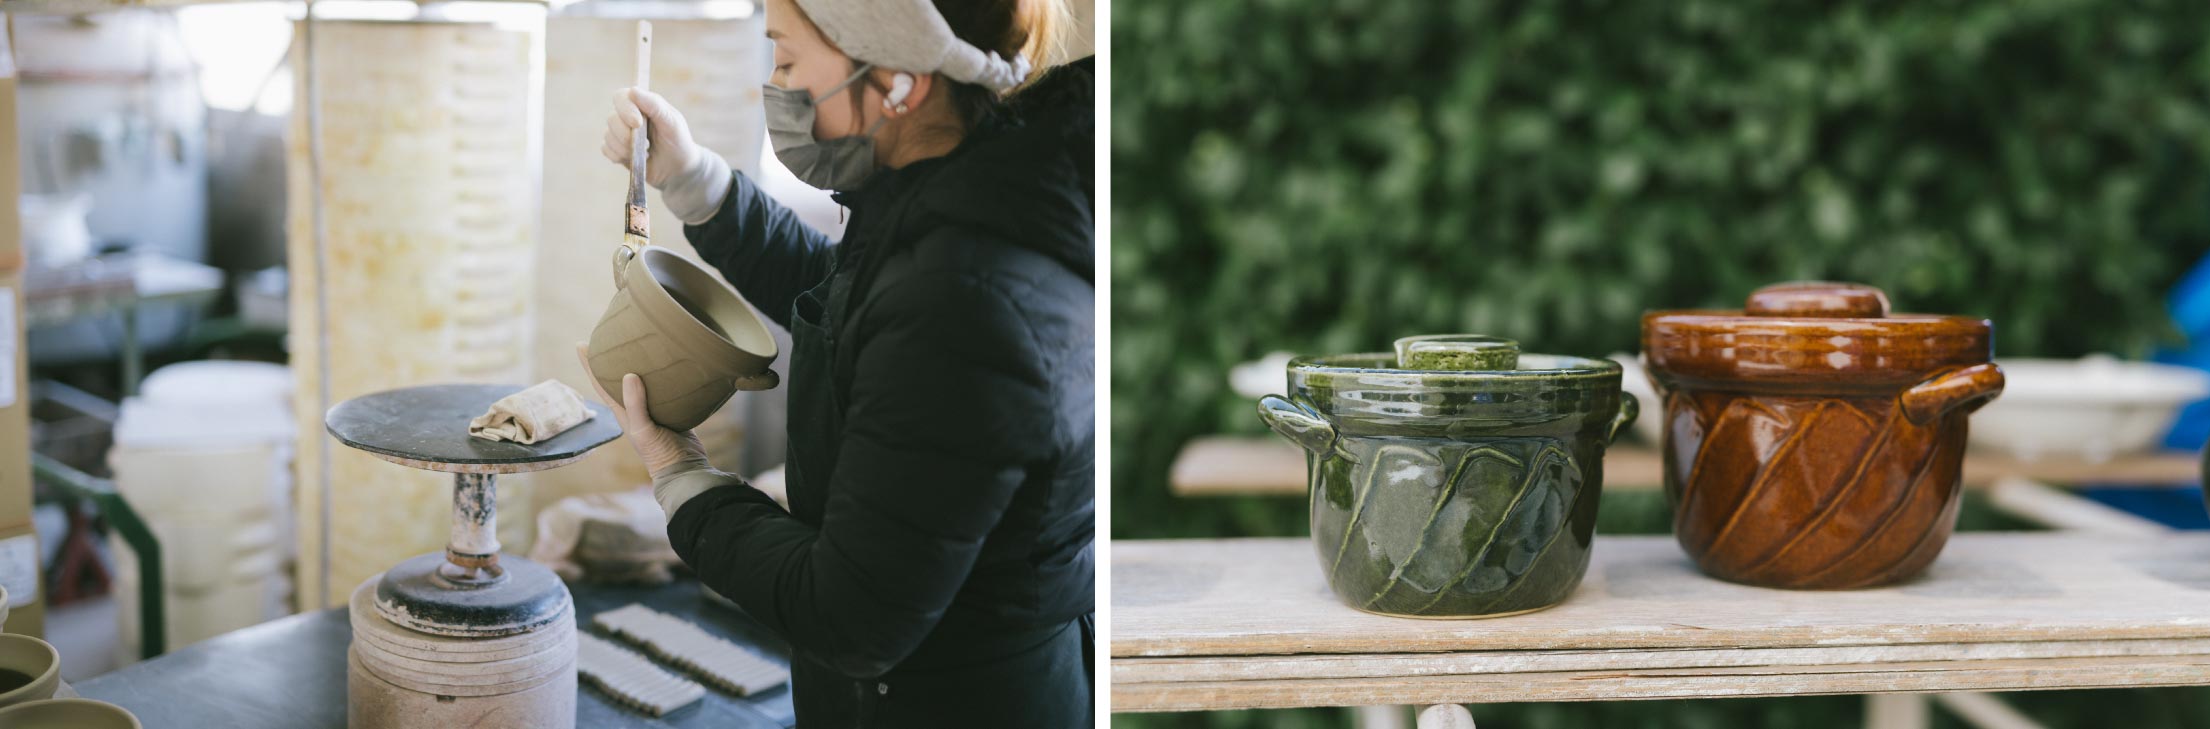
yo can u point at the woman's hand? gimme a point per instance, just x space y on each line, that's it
665 452
691 178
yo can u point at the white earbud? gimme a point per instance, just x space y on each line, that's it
901 85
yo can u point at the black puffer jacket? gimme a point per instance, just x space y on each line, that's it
935 566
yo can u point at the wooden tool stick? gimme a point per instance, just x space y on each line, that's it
637 228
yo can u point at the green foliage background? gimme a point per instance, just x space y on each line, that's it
1325 176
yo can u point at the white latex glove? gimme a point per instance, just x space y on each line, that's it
692 179
676 460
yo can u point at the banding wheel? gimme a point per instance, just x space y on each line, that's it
469 590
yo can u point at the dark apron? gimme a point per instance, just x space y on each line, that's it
1023 677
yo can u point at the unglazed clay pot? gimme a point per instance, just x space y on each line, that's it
1452 494
67 714
35 659
681 329
1814 440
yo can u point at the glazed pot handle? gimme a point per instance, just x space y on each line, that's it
1298 423
1629 408
1959 390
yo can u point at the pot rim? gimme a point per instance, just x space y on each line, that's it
1835 353
1811 334
48 676
721 349
1357 394
1567 367
77 704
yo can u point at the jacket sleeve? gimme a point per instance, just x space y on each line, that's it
762 248
948 411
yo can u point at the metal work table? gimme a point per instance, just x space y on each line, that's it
119 285
290 673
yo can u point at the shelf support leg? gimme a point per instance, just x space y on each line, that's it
2062 509
1986 711
1446 716
1381 717
1897 711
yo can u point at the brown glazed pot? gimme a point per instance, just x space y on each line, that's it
1813 440
680 328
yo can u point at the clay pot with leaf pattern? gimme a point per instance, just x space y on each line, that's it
1452 493
1814 440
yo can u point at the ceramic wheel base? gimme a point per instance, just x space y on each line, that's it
429 594
397 678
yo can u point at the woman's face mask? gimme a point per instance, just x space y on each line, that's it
830 164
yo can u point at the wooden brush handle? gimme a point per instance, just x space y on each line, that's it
637 222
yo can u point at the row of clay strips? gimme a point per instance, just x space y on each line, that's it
718 662
631 678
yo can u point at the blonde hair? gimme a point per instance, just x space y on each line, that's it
1047 23
1036 29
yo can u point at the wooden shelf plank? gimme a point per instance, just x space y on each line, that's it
1264 465
1266 597
1682 683
1244 623
1224 465
1333 666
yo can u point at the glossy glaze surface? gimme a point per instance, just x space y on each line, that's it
1457 352
1452 494
1819 444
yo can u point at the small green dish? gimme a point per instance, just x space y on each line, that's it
1452 494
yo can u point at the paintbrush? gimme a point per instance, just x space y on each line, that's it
636 220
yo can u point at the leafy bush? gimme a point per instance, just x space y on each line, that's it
1326 176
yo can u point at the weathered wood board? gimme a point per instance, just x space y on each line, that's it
1249 623
1679 683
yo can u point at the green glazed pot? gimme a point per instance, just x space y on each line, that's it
1452 494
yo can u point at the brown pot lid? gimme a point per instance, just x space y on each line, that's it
1813 333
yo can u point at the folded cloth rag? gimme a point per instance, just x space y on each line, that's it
542 411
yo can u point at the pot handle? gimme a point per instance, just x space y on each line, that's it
1960 390
1629 408
1298 423
623 254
